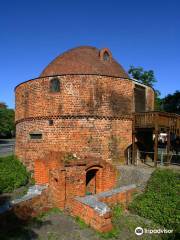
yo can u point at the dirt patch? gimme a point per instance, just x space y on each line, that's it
56 225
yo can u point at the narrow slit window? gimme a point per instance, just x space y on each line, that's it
35 136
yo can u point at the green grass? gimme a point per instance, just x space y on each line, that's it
81 223
113 234
13 174
117 211
160 201
52 236
50 212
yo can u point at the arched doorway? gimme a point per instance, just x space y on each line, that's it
91 181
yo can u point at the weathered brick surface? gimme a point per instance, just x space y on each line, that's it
87 208
33 207
68 180
79 95
107 133
103 138
57 188
149 99
102 223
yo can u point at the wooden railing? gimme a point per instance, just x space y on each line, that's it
162 119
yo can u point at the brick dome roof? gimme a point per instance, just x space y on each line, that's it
85 60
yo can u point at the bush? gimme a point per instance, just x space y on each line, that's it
12 174
117 212
81 223
160 200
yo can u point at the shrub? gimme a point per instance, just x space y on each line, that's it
12 174
117 212
81 223
113 234
160 200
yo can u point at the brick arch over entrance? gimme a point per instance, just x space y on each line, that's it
75 178
93 179
100 176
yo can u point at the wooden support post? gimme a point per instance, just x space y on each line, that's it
168 147
155 148
156 139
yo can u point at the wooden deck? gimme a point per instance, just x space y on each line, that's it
160 120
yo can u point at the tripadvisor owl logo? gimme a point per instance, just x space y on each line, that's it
139 231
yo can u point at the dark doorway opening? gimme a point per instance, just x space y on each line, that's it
140 98
91 182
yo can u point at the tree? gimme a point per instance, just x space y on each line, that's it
7 124
3 105
171 103
147 78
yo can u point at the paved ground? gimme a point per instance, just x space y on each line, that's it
6 147
58 226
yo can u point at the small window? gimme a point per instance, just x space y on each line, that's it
51 122
106 56
54 85
35 135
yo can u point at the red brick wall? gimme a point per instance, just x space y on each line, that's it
43 166
57 187
99 137
79 94
34 206
107 133
122 197
91 217
102 223
149 99
68 181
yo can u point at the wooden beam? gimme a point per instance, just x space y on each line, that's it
133 141
168 147
155 148
156 140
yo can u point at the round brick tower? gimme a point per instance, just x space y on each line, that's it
82 103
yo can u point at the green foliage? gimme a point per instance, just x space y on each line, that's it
117 212
12 174
3 105
145 77
171 103
31 181
113 234
48 213
158 102
160 201
7 125
81 223
52 236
